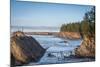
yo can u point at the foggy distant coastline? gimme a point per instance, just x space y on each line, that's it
35 28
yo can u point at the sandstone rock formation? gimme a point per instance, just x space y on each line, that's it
69 35
87 48
24 49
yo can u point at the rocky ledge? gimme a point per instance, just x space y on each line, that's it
24 49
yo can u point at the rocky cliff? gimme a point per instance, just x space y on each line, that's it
69 35
87 48
24 49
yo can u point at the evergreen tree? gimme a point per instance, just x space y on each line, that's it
86 27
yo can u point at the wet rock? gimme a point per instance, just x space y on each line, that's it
25 49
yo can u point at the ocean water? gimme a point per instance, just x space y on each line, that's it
58 50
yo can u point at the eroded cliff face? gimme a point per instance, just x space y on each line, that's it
25 49
69 35
87 48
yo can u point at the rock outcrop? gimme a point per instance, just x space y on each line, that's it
69 35
87 48
24 49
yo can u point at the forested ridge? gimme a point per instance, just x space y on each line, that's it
84 27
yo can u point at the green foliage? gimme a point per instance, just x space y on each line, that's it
71 27
85 27
88 23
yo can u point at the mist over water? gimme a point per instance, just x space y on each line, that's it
57 47
59 50
35 29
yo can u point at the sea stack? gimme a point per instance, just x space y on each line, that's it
24 49
87 48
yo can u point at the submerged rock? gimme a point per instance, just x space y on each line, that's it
25 49
87 48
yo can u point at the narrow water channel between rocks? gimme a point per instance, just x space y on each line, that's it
58 50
